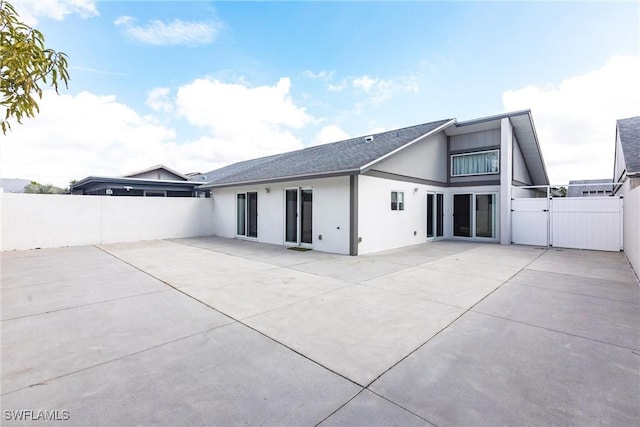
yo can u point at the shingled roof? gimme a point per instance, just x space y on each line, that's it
629 131
337 158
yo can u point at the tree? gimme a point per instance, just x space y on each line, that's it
37 188
25 64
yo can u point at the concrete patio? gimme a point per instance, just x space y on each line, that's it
213 331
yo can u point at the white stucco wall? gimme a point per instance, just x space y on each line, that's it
631 228
330 212
381 228
29 221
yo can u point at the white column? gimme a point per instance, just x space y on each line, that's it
506 174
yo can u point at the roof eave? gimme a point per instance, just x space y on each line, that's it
120 180
280 179
494 117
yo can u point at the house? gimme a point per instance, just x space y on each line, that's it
439 180
155 181
626 172
590 188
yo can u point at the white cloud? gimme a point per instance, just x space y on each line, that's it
330 133
251 121
86 134
381 90
176 32
158 100
31 10
364 82
336 87
575 120
322 74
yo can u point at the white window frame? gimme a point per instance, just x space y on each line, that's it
399 204
476 153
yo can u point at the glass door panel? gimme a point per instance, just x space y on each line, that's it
430 216
439 215
291 216
485 215
252 214
241 209
462 215
306 213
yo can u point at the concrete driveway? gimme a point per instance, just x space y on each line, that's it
213 331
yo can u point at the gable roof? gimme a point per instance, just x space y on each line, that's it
357 155
525 132
154 168
629 132
338 158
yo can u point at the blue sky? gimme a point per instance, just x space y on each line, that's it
197 85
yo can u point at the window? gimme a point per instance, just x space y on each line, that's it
397 201
482 163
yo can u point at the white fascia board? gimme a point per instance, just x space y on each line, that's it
369 165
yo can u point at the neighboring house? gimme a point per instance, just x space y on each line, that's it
590 188
13 185
626 171
156 181
444 179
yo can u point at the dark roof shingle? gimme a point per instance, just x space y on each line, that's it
629 130
342 156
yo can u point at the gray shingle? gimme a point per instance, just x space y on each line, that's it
347 155
629 130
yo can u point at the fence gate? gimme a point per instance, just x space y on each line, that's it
568 222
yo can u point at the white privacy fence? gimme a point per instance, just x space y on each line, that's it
29 221
569 222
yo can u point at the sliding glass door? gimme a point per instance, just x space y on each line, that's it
247 214
298 216
474 215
